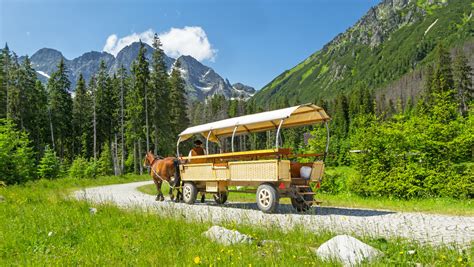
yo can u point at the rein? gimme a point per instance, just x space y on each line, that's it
157 175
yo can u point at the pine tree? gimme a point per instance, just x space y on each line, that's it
105 166
159 95
442 72
178 118
32 103
5 59
60 108
15 97
39 132
93 92
49 166
135 107
106 105
82 118
123 84
462 75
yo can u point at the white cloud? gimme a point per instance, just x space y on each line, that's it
190 41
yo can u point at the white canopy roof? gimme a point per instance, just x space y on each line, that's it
301 115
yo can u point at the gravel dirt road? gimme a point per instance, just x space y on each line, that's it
424 228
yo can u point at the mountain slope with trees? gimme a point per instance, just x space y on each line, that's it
392 39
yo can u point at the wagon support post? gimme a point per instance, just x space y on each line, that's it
177 147
233 135
278 133
207 142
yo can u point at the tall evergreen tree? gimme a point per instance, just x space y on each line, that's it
15 97
159 95
135 107
462 75
123 85
39 126
82 119
5 62
106 102
443 71
60 107
178 115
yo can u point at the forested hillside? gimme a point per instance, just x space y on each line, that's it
105 127
394 38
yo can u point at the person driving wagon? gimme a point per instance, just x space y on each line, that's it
197 150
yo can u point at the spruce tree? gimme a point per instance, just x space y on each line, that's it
462 75
178 109
5 59
135 107
60 108
123 85
159 91
15 98
49 165
106 102
82 118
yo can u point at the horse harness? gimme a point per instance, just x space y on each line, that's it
157 175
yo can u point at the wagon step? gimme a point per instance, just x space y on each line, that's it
302 186
317 202
306 193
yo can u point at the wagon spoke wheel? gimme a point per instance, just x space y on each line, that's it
189 193
267 198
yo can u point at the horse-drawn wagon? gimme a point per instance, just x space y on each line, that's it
270 171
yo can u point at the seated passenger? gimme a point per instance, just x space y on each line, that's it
197 150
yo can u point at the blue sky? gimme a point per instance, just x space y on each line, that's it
247 41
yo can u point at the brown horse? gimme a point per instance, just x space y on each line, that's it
161 170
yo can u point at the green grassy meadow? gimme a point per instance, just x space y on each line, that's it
42 225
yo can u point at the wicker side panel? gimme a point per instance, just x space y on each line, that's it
197 172
221 174
318 171
263 170
284 170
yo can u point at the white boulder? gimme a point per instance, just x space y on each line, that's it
348 250
225 236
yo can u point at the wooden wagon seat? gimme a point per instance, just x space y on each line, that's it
242 155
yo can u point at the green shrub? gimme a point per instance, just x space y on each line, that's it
78 168
418 156
105 165
49 166
17 161
92 169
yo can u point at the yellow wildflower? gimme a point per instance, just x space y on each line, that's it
459 259
197 260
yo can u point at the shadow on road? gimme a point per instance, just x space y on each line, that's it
321 211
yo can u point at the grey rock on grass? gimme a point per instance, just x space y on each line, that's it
225 236
348 250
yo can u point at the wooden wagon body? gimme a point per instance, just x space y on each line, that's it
273 171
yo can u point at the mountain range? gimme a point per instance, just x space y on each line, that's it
201 81
385 51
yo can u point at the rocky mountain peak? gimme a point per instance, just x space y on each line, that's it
201 80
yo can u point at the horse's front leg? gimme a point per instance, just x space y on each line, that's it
171 193
160 196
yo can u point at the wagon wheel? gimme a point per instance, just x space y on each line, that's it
220 198
267 198
302 202
189 193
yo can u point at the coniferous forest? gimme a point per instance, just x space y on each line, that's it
423 148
